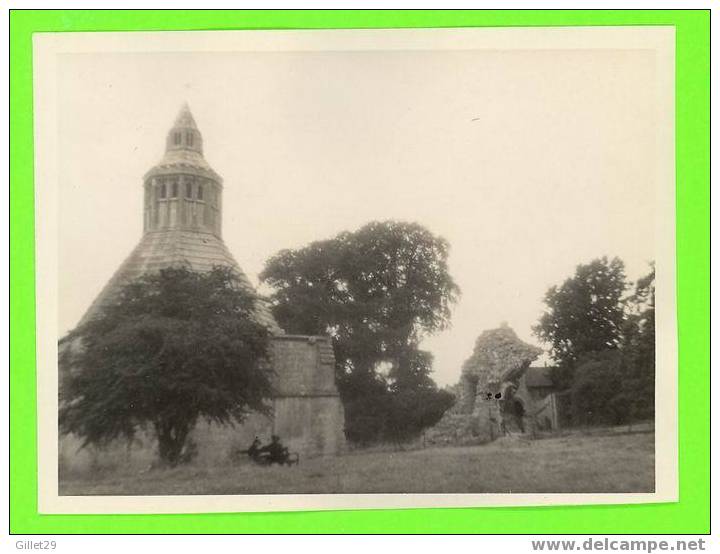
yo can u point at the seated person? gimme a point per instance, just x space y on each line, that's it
254 451
275 452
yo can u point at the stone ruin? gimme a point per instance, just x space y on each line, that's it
491 397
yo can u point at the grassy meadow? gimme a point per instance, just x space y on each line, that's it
577 462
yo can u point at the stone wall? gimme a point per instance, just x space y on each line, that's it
313 426
304 366
309 415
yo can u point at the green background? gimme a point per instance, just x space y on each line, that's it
690 515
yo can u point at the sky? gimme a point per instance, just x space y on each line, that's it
528 162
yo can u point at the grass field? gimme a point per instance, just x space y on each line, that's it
574 463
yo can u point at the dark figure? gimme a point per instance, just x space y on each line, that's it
276 453
254 451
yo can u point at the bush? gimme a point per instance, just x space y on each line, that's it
604 391
394 416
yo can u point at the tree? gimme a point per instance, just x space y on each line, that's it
598 391
377 292
398 407
585 314
416 402
175 346
604 342
638 346
413 373
409 412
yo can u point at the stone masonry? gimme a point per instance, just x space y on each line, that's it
489 397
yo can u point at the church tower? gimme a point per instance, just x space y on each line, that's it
182 218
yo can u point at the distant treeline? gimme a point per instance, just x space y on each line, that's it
601 332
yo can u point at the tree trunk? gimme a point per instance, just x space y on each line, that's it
171 438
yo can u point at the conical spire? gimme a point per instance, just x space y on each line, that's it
184 134
184 150
185 119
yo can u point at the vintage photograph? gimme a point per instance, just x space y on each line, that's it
350 263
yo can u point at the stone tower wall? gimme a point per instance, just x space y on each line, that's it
183 201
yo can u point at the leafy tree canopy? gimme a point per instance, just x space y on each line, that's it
604 342
598 392
638 346
585 314
377 292
175 346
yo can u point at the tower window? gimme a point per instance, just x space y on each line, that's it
200 192
188 190
189 138
177 138
174 190
163 191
